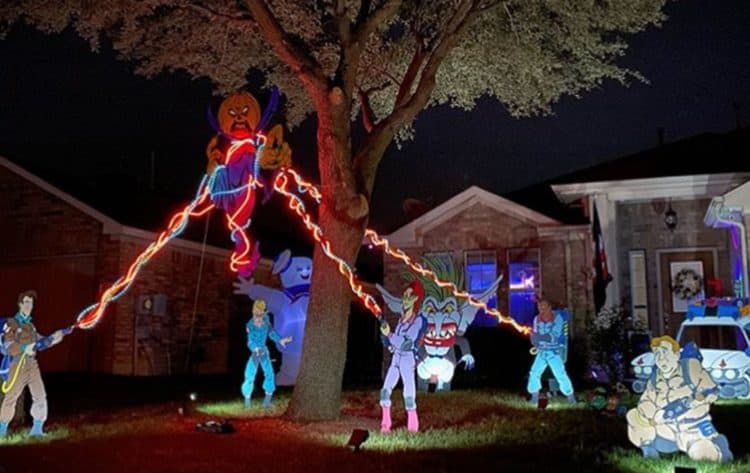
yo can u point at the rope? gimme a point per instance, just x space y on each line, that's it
197 293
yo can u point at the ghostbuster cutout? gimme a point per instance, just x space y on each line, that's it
259 329
20 343
549 337
403 343
288 305
673 412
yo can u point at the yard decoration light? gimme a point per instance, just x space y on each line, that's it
670 218
358 437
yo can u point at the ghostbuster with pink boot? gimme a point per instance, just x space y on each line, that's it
403 343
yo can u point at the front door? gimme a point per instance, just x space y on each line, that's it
680 286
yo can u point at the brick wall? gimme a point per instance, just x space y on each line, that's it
37 224
41 229
564 272
163 340
641 226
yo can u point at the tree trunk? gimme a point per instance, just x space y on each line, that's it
317 394
342 217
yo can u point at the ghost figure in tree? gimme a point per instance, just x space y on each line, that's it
240 157
288 305
448 318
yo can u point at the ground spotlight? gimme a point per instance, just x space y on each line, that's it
358 437
684 469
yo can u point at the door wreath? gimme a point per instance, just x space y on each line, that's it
687 284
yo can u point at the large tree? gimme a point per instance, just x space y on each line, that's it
369 63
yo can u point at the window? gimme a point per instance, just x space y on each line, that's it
524 283
480 272
638 288
714 337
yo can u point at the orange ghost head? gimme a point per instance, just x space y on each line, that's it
239 114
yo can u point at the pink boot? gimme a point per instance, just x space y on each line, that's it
412 421
385 424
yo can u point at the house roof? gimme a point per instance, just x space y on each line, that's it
689 165
410 234
674 187
706 153
109 224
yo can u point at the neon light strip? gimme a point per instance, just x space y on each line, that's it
526 283
295 203
377 240
91 315
416 267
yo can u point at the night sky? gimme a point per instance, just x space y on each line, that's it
67 111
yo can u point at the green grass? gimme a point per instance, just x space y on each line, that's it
492 430
464 420
517 402
470 422
734 402
22 437
237 409
84 431
630 461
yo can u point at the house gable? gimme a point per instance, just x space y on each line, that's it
411 234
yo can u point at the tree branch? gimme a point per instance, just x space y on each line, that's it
448 38
342 22
387 10
238 18
368 117
302 64
367 159
350 52
411 74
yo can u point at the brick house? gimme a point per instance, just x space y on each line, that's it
644 254
489 235
68 251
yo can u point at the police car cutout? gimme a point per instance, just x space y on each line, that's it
722 334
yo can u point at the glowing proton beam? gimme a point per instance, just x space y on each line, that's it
91 315
378 240
296 204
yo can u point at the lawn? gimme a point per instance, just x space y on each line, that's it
461 431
